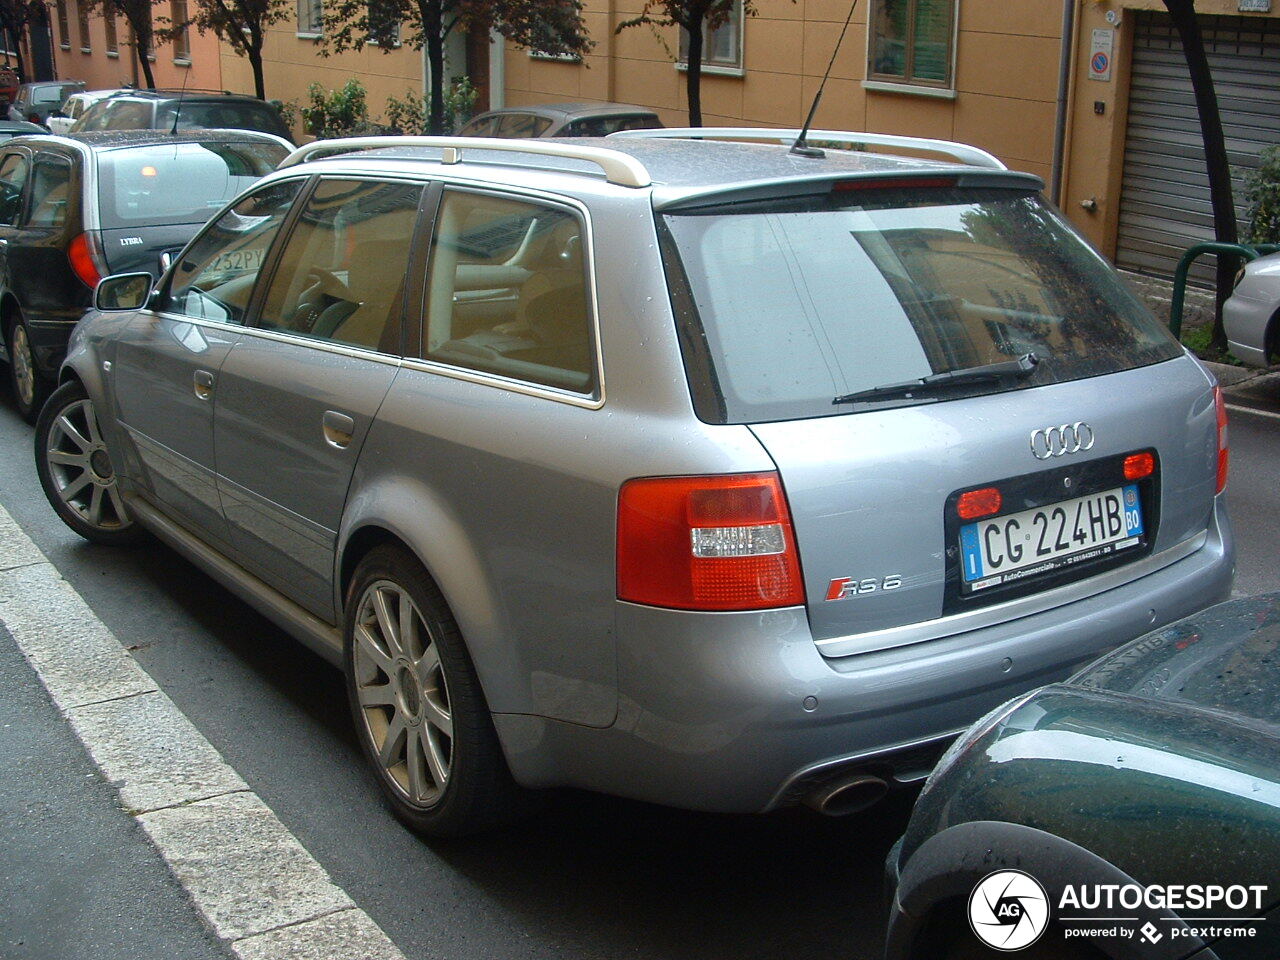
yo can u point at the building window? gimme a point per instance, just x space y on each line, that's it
109 27
64 27
82 23
911 41
310 18
384 25
181 42
721 47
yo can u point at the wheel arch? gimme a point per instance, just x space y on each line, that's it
946 868
1271 338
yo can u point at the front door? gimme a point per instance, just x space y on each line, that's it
297 394
167 361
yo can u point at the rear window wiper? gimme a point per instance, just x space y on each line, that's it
1018 369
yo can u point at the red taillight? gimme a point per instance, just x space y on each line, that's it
707 543
83 255
979 503
1139 465
1224 452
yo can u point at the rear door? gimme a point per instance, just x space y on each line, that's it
41 275
297 395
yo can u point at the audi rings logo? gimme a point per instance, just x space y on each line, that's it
1061 441
1008 910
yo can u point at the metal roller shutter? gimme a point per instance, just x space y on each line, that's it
1164 206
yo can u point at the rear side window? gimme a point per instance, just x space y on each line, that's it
507 291
343 272
603 126
181 183
239 115
520 125
50 192
13 177
124 115
786 305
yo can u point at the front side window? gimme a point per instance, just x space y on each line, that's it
13 177
50 192
721 45
806 300
507 291
343 272
214 277
911 41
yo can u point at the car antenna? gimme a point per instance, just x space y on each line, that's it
177 112
801 148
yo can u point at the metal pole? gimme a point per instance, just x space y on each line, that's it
1064 90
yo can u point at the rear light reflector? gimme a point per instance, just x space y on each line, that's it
979 503
1138 466
85 259
707 543
1224 450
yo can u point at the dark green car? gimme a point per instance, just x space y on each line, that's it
1132 811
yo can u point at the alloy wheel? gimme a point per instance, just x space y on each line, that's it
402 692
24 370
81 470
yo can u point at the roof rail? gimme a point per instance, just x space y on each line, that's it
957 151
618 167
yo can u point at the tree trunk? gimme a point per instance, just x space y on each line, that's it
1183 13
253 50
433 27
145 62
693 75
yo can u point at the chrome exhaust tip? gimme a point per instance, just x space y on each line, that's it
846 795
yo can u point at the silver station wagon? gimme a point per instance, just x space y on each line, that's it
699 472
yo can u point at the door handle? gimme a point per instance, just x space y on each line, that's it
338 429
203 384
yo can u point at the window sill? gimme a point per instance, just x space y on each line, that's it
303 35
86 49
911 89
64 46
182 61
555 57
113 54
714 69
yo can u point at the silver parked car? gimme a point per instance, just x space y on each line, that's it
697 472
1252 314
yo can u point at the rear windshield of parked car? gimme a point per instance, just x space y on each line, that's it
241 115
785 305
178 183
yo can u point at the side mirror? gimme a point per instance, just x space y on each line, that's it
124 291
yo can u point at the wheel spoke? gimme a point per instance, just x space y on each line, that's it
368 646
387 622
70 431
436 759
438 717
419 783
389 752
408 624
64 459
95 507
73 489
91 422
429 662
377 694
117 504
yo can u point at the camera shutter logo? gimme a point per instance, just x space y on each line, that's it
1008 910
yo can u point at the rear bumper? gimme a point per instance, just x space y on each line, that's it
49 342
740 712
1246 321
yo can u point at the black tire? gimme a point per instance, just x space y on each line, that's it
29 385
84 494
405 692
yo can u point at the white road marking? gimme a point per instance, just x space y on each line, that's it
256 886
1250 410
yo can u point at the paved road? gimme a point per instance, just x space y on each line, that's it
592 877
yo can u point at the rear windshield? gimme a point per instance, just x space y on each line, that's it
177 183
240 115
786 305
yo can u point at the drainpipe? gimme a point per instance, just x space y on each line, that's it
497 70
1064 90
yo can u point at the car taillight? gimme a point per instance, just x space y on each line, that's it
1139 465
85 259
707 543
979 503
1224 451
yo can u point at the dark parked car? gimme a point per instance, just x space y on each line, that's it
561 120
1156 769
19 128
74 209
35 101
198 110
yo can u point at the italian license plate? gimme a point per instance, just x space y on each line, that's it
1019 545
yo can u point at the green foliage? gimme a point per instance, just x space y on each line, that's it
338 113
1262 190
288 111
412 115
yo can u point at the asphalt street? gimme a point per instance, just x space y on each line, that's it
590 877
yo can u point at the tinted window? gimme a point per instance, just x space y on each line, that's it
214 277
50 192
237 115
520 125
807 299
13 177
507 291
479 127
94 118
343 271
126 115
603 126
182 183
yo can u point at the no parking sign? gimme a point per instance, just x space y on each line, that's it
1104 42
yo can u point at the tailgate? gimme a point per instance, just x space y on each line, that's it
140 249
873 495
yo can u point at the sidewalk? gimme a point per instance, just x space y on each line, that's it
79 879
